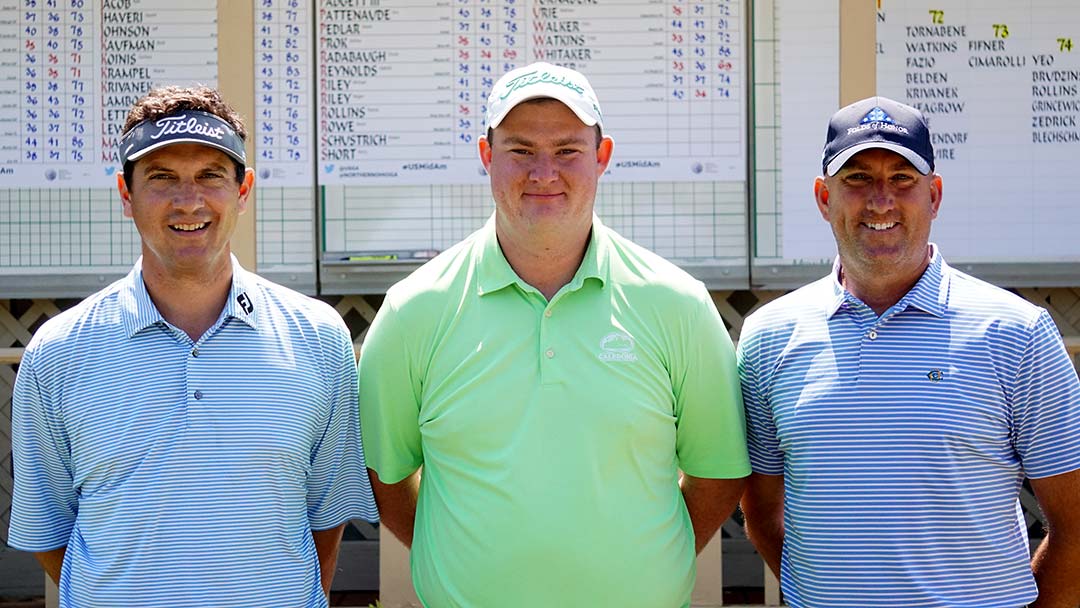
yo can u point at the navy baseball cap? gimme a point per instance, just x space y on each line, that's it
878 122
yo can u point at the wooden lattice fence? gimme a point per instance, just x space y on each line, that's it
20 318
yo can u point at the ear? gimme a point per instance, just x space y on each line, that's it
125 195
246 188
603 155
821 195
483 147
935 195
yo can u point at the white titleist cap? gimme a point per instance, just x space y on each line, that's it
544 80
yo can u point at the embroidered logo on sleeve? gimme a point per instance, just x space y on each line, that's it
935 375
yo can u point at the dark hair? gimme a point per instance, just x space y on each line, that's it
163 101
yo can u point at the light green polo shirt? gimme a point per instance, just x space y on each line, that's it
551 433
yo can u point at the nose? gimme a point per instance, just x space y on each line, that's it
880 198
187 195
543 169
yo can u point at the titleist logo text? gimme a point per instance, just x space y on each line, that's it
532 78
178 125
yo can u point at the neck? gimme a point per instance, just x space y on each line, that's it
192 302
880 289
546 264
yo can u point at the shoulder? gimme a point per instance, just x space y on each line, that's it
433 285
286 313
806 305
633 267
969 296
297 305
98 318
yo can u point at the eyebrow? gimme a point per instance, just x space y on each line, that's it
517 140
213 166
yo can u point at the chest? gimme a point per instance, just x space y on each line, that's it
237 401
915 384
512 367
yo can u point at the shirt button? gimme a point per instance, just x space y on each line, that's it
872 334
547 313
550 353
194 352
198 394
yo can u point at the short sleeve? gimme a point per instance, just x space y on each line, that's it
761 439
338 488
389 399
1046 404
710 434
44 502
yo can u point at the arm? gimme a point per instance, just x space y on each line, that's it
327 543
1057 560
397 504
763 507
710 502
1045 429
44 503
710 436
52 562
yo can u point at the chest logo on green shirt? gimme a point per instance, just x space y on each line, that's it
617 346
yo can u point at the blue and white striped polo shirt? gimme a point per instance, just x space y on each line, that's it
185 473
904 439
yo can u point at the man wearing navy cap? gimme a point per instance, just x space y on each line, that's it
551 378
895 406
187 436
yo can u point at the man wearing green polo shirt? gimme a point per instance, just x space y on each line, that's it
552 379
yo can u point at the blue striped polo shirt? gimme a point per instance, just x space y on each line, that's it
904 439
183 473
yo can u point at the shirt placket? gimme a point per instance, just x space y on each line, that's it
868 326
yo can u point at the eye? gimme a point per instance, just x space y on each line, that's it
568 151
519 151
857 177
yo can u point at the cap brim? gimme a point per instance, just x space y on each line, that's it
203 142
841 159
582 116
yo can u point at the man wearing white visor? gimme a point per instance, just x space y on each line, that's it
187 436
551 378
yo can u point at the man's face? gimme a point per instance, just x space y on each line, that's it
544 164
184 200
880 209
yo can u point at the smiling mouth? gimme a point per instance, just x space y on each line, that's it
188 227
879 225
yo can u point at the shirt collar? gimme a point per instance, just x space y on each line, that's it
138 311
930 293
244 296
494 272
